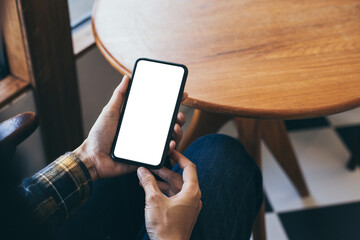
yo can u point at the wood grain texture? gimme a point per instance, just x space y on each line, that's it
16 129
266 59
48 38
202 123
15 42
10 88
278 141
250 133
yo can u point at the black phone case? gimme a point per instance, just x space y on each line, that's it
173 120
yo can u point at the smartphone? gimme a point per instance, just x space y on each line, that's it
149 113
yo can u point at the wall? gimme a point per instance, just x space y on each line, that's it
97 80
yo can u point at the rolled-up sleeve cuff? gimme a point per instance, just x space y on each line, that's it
60 187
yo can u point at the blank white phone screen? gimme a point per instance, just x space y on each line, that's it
148 113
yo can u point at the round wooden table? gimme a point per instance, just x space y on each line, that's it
259 59
263 59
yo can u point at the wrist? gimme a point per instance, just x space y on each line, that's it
82 154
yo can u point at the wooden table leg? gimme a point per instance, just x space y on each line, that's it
276 138
202 123
259 228
249 132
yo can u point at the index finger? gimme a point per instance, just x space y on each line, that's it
189 168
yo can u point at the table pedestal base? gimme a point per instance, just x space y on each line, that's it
250 133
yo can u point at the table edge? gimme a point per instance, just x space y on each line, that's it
280 114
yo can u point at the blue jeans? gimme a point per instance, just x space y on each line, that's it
230 183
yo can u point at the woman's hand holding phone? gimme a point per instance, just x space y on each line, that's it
95 150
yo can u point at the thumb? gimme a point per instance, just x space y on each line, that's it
148 182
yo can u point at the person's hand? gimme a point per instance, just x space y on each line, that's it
172 216
95 150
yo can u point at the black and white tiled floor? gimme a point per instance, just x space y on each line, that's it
323 147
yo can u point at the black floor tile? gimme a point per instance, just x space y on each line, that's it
268 207
335 222
350 136
292 125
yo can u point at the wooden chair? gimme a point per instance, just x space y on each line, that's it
12 132
15 130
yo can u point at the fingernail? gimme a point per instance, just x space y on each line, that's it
141 171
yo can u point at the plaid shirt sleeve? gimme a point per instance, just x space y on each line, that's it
55 191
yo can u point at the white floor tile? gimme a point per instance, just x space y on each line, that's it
351 117
281 193
274 228
229 129
322 157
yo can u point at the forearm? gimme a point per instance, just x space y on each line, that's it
58 189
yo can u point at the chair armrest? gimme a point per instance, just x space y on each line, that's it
16 129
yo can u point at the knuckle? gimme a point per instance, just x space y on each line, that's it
197 204
192 165
105 108
153 197
147 180
108 110
197 194
180 131
200 205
